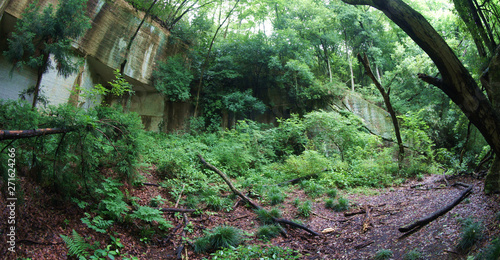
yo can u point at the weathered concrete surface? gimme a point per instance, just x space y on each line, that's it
103 50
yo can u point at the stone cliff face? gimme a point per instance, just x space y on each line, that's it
103 49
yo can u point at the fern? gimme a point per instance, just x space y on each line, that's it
77 246
98 223
149 215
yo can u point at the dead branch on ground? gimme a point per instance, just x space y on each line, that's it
426 220
251 202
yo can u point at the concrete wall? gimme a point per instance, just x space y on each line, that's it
103 50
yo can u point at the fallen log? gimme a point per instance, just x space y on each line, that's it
251 202
177 210
426 220
18 134
368 222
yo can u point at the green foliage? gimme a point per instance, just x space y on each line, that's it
172 78
341 205
77 246
329 203
97 223
312 188
332 193
217 238
112 203
491 252
305 209
151 215
217 203
266 217
275 196
413 255
156 201
472 232
256 252
267 232
383 254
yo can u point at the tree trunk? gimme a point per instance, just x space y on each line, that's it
387 101
491 82
19 134
456 82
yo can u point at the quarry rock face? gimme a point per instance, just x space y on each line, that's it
103 50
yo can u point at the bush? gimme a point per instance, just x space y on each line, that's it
341 205
266 217
217 238
329 203
383 254
256 252
267 232
305 209
413 255
472 232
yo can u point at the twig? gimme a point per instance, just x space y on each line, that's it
177 210
180 194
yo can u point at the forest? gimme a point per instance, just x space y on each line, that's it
273 162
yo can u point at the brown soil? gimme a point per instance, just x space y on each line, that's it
41 219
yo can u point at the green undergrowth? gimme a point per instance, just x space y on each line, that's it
329 150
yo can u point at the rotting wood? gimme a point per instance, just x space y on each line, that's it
177 210
251 202
367 222
150 184
426 220
354 212
363 245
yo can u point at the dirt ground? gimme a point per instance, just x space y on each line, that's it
41 220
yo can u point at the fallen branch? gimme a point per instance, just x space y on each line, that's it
18 134
150 184
363 245
177 210
180 195
249 201
426 220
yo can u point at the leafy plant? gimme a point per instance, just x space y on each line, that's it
266 217
491 252
383 254
305 209
267 232
97 223
341 205
471 233
413 255
77 246
172 78
219 237
156 201
329 203
256 252
148 214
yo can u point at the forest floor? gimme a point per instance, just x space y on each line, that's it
41 220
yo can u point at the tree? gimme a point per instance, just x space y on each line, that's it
456 81
41 35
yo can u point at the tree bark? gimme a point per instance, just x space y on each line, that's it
387 101
456 82
19 134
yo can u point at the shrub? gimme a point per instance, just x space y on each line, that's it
329 203
305 209
492 252
341 205
332 193
219 237
413 255
266 217
472 232
275 196
383 254
256 252
267 232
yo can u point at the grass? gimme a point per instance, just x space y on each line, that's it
341 205
217 238
305 209
266 217
267 232
413 255
472 232
383 254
